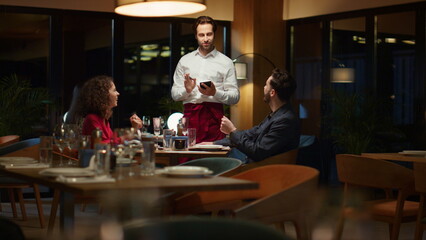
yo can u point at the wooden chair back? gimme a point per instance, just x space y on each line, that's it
283 158
420 186
283 195
355 170
219 165
420 177
375 173
8 140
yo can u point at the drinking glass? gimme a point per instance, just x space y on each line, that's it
146 121
102 159
167 138
192 136
59 138
185 122
46 147
148 159
157 126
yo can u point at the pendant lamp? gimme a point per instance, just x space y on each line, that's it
159 8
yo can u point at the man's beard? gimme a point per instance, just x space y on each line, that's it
266 98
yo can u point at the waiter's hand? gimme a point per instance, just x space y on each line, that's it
189 83
209 91
226 126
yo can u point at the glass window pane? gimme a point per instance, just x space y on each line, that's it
307 57
87 51
348 55
24 46
146 70
396 72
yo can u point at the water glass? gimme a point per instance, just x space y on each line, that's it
148 159
167 138
102 159
192 136
46 148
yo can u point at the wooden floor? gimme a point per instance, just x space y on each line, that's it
88 224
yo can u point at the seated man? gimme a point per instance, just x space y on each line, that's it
279 132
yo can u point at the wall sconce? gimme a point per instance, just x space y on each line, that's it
241 67
241 70
159 8
342 75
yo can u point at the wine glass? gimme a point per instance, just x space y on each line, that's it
59 136
72 133
146 121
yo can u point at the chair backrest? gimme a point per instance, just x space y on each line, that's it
219 165
376 173
19 145
200 228
283 158
297 197
420 177
8 140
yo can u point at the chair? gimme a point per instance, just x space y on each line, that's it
219 165
283 158
357 171
420 186
285 194
7 140
15 186
200 228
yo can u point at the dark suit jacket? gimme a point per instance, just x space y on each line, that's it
279 132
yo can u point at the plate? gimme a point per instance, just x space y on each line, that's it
413 152
187 171
68 172
207 147
17 160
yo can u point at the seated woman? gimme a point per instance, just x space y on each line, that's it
98 97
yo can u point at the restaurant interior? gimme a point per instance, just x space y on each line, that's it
361 89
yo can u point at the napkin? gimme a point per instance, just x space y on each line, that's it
97 179
27 165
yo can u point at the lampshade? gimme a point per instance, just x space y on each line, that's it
241 70
159 8
173 120
342 75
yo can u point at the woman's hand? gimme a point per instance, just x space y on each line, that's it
136 121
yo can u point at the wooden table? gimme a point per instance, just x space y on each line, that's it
395 157
175 155
140 183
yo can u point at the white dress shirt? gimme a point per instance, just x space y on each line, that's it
215 67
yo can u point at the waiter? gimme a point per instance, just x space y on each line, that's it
203 102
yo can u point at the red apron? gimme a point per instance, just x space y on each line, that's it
206 118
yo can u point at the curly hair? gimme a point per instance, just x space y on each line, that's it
95 98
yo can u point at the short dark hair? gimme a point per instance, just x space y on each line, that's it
204 20
283 83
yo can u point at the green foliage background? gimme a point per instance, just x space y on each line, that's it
21 106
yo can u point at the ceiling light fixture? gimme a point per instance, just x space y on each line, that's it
159 8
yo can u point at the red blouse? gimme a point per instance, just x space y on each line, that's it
93 121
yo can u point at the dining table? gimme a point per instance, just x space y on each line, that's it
396 157
172 156
143 184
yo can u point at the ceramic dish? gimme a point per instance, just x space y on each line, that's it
413 153
17 160
207 147
67 172
186 171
